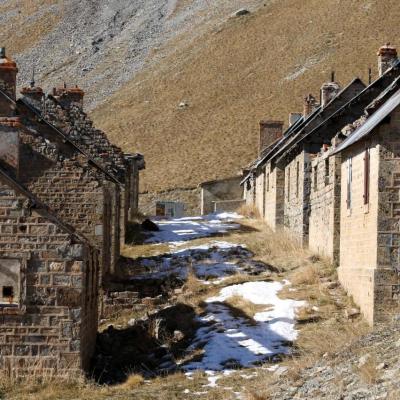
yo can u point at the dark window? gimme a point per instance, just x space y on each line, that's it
8 292
288 184
349 181
366 176
297 178
315 178
326 171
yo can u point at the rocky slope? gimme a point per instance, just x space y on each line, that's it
184 82
366 369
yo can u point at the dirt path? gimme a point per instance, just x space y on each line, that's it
234 317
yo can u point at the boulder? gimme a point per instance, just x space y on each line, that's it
150 226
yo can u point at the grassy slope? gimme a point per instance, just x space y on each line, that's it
234 76
20 32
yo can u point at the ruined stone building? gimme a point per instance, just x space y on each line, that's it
221 195
330 180
67 196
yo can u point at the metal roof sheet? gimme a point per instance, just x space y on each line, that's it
370 123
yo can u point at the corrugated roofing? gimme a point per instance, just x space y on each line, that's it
371 122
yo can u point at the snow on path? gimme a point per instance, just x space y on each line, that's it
216 259
178 230
231 339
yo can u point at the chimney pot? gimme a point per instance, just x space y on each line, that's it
8 83
387 54
310 104
329 90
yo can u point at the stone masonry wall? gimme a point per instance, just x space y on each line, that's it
324 222
358 229
274 196
61 177
297 193
260 191
190 197
52 324
224 189
387 276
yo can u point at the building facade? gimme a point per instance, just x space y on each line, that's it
66 196
337 168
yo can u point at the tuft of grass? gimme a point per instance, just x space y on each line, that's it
249 211
132 382
246 306
308 275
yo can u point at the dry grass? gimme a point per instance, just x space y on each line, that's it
368 371
27 25
249 211
242 308
231 77
308 275
132 382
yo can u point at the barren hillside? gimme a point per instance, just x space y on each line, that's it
138 61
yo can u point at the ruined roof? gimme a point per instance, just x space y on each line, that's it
66 138
373 121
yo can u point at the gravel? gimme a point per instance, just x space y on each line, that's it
101 44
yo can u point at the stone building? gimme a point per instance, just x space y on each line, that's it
221 195
68 195
332 181
369 207
49 287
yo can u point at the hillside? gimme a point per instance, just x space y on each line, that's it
138 61
245 69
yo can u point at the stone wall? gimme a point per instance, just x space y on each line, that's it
219 190
75 191
249 192
260 191
52 323
297 194
190 197
324 220
274 196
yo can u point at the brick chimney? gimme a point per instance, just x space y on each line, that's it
10 144
8 83
294 117
387 54
34 95
329 90
310 104
68 96
270 131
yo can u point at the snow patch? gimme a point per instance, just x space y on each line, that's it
178 230
230 340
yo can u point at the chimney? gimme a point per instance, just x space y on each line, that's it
329 90
8 83
69 96
10 144
310 104
34 96
270 131
387 54
294 117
